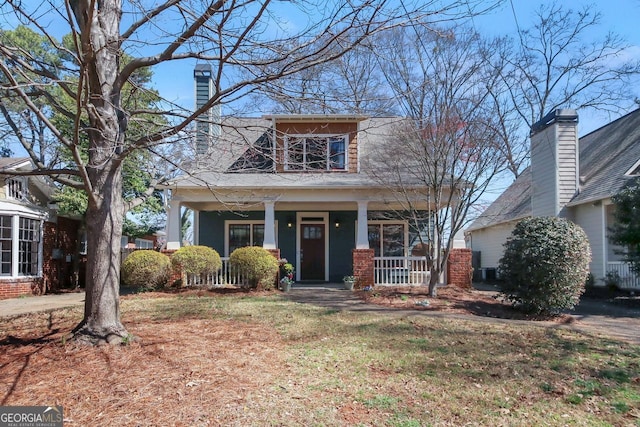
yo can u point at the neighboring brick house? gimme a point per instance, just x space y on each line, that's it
572 178
36 246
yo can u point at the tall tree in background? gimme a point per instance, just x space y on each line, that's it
558 63
246 46
444 156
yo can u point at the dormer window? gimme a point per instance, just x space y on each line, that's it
17 188
316 152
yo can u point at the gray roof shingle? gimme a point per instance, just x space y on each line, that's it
238 141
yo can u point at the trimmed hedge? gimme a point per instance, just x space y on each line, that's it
257 265
146 270
545 265
197 260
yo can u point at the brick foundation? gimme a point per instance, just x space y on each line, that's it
363 267
12 288
459 270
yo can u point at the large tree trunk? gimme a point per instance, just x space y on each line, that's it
101 323
99 33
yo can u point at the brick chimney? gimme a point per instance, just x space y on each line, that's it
554 162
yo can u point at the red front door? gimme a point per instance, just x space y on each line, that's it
312 252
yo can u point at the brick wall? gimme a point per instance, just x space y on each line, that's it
17 287
56 273
459 270
363 267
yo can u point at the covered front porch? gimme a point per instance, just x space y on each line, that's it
325 234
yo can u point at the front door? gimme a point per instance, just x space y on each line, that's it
312 252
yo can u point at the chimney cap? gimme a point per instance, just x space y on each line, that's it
202 70
561 115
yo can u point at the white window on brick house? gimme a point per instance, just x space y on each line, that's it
20 246
16 188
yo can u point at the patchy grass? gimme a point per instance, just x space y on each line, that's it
263 360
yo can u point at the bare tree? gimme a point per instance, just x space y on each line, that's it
243 41
558 63
352 83
441 160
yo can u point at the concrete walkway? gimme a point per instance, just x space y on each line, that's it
592 316
33 304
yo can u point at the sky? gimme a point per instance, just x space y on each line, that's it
620 16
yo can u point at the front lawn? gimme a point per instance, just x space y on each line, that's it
262 360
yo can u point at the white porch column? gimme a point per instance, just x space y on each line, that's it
362 235
173 225
269 225
196 227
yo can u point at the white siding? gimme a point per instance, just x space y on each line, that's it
591 218
543 173
554 168
489 242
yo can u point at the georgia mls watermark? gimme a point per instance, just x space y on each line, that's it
30 416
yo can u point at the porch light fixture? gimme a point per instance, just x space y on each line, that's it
289 222
337 222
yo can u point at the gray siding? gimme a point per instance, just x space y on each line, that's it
567 163
544 182
554 168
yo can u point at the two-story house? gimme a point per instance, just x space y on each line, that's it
296 185
36 246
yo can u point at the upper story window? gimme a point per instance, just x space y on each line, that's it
316 152
16 188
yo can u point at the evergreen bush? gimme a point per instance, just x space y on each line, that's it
197 260
146 270
256 265
545 265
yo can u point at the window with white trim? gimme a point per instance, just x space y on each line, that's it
6 246
25 255
244 233
387 238
316 152
28 246
16 188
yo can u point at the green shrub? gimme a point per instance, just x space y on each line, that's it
545 265
256 265
146 269
197 260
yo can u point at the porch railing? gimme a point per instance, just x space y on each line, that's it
624 276
411 270
225 276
